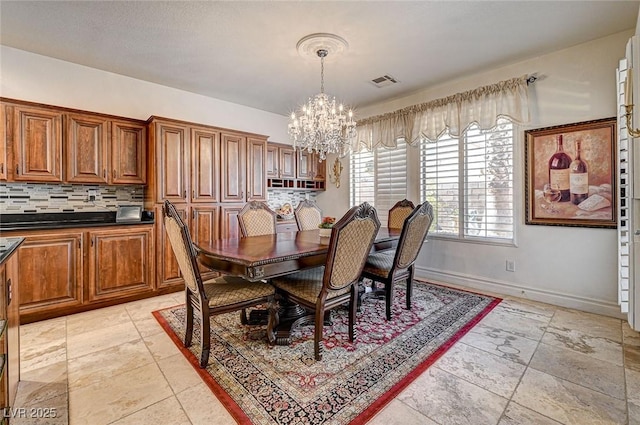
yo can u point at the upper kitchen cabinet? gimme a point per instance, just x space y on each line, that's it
243 168
128 152
86 148
4 125
37 144
205 165
169 150
281 161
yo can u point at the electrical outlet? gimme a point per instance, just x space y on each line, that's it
511 266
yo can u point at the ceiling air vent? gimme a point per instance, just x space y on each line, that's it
385 80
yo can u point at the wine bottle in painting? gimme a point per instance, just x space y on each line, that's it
578 177
559 170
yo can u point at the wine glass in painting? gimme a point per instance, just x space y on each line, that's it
552 195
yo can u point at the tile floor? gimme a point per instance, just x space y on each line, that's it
525 363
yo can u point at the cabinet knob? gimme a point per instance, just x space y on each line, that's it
17 169
9 292
104 173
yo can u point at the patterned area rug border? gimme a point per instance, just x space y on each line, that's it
242 418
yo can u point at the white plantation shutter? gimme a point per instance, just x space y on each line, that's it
379 178
469 182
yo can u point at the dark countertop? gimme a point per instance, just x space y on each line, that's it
9 222
8 247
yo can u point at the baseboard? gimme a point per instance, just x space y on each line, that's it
482 284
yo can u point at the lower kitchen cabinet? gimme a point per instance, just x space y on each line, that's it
51 272
9 332
120 263
68 271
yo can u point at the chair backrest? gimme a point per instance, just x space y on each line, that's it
414 232
308 215
256 219
351 240
180 241
398 213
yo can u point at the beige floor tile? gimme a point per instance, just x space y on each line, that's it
581 369
142 309
398 413
487 371
633 395
34 357
89 321
56 372
598 347
447 399
632 357
102 365
179 373
38 394
44 331
202 407
528 309
517 324
501 343
520 415
101 339
165 412
53 411
629 336
148 326
593 325
567 402
161 346
120 396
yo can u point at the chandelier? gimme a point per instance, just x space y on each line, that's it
322 125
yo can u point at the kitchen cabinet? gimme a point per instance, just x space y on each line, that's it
243 168
37 144
230 228
86 146
281 161
205 165
4 136
205 228
170 143
51 272
9 331
310 167
120 263
128 152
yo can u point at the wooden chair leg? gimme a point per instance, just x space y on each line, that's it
352 312
410 288
317 338
188 331
389 297
205 339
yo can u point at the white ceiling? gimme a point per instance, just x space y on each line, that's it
245 52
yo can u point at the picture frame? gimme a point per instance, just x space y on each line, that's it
585 199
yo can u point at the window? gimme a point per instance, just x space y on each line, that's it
469 182
379 178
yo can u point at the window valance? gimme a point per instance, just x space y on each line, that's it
483 106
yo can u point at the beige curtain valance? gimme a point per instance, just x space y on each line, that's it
429 120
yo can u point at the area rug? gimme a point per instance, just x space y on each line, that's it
260 384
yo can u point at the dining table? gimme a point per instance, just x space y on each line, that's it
260 258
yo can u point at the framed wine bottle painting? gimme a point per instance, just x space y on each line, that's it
570 174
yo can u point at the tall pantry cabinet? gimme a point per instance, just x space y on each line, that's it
208 173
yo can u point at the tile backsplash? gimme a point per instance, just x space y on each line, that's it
16 198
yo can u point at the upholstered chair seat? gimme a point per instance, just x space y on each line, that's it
216 296
321 289
389 267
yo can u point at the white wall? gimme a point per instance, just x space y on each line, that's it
573 267
36 78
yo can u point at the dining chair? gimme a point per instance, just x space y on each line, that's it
323 288
391 266
256 219
216 296
398 213
308 215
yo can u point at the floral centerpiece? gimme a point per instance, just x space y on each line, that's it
326 225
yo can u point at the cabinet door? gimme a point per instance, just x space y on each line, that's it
233 167
50 271
4 140
305 170
37 144
256 170
172 162
205 226
287 163
272 161
230 228
120 263
128 153
319 168
168 271
86 148
205 165
13 327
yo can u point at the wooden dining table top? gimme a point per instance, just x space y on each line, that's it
259 257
